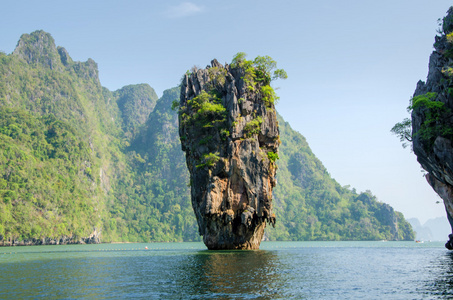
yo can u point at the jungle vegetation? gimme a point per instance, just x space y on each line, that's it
76 156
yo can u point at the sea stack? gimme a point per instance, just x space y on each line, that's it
229 131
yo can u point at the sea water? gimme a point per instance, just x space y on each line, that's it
280 270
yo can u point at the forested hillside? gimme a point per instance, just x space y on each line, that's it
79 162
310 205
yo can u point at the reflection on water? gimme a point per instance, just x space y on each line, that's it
440 280
153 274
186 271
204 274
233 273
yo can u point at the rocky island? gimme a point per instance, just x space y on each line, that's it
229 131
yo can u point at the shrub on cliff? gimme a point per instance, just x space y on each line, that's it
261 69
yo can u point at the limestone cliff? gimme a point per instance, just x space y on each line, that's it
54 170
432 118
229 132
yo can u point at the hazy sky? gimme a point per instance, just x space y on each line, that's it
352 67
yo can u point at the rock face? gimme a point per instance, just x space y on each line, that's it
432 119
229 132
39 48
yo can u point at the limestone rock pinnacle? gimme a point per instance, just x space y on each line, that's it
229 132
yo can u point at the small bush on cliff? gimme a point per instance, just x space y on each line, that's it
264 67
446 23
434 111
404 131
207 109
216 76
269 95
432 126
272 156
209 160
253 127
175 105
261 70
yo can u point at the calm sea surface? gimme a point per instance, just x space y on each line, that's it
280 270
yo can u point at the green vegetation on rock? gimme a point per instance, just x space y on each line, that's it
253 127
206 108
428 105
77 158
434 111
261 69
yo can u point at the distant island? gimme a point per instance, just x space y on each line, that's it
82 164
432 230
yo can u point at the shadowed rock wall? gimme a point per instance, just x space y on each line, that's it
432 118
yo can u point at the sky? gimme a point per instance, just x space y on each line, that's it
352 67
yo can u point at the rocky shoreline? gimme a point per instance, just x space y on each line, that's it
93 238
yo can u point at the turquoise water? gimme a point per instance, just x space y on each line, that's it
280 270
